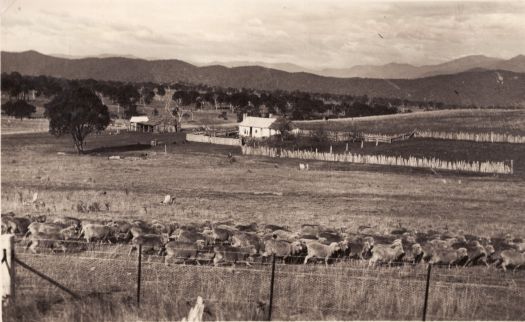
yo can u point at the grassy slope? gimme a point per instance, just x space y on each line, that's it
264 190
208 187
501 121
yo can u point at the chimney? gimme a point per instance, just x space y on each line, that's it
270 116
244 116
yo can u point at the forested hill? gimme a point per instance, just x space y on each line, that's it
477 87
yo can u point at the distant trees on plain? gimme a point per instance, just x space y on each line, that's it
293 105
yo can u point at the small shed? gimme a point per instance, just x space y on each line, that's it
151 124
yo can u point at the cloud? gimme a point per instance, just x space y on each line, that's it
315 34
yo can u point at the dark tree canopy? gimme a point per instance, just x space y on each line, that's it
18 109
77 111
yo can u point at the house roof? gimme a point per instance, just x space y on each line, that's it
153 120
261 122
139 119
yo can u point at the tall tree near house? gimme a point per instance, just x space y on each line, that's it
161 91
128 96
284 126
77 111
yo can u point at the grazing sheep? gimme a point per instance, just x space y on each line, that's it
281 248
317 250
182 251
284 235
138 230
45 228
98 232
52 241
244 239
417 253
247 228
149 242
477 255
15 225
359 248
66 221
160 228
69 233
271 228
449 257
230 254
221 234
309 229
387 253
329 237
513 258
187 236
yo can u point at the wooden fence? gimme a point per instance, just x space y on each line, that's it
341 136
212 139
433 163
476 137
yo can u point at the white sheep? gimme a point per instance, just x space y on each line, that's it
318 250
387 253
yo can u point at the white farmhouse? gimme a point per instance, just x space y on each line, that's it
258 127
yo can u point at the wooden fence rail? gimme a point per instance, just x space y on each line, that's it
212 139
433 163
476 137
339 136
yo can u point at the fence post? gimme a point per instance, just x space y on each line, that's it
139 275
7 268
425 305
271 289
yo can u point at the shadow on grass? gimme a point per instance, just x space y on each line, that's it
119 148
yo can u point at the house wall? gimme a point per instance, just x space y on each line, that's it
244 131
257 132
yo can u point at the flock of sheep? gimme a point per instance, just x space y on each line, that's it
225 243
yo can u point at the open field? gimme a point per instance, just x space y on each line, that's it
476 121
208 187
17 126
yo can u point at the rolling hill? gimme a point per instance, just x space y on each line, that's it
479 87
407 71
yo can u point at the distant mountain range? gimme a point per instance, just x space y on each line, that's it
398 71
407 71
476 86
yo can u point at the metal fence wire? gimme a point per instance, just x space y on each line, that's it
346 290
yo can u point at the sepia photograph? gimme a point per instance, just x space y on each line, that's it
262 160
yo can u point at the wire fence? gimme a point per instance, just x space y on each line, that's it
269 288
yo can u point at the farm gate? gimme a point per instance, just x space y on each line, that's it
270 289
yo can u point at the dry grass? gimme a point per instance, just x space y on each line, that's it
476 121
344 291
12 126
208 187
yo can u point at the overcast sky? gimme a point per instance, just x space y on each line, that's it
314 34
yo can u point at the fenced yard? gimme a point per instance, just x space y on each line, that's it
421 162
342 291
